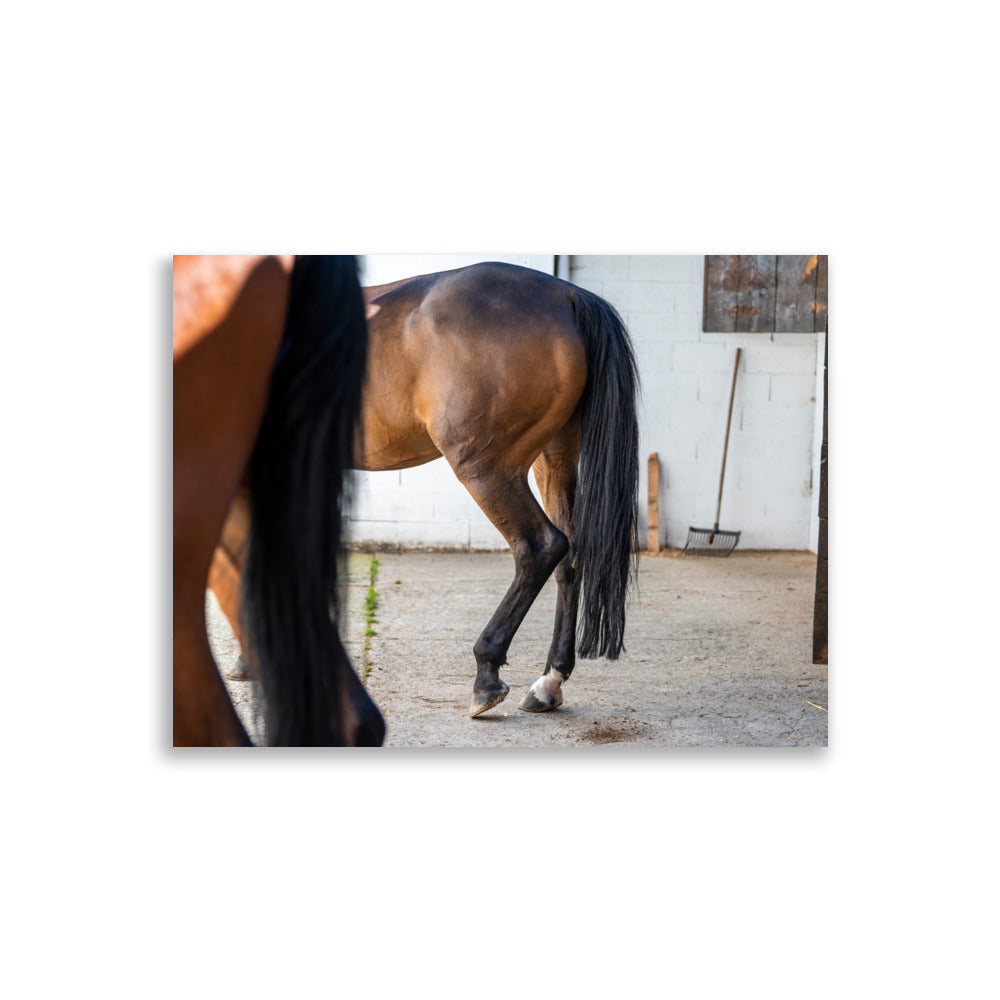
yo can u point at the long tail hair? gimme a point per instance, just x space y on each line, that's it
606 505
290 597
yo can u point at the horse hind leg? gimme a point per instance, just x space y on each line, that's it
225 574
555 473
538 547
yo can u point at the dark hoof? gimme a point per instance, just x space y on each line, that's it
241 672
483 701
531 703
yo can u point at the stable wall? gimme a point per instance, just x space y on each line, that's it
686 377
771 481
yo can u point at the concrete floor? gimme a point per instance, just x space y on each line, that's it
718 653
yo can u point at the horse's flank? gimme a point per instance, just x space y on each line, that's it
451 354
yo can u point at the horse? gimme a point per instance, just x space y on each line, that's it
502 369
269 356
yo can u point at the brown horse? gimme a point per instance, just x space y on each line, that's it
502 369
269 359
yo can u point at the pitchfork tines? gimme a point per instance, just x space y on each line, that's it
712 541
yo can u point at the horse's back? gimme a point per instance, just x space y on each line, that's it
492 300
484 306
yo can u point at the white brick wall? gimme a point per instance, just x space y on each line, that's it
685 375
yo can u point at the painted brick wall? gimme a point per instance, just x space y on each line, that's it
685 375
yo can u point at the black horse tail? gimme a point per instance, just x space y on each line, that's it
305 446
606 505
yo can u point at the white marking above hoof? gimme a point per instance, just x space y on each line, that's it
545 694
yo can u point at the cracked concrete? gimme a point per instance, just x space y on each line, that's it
718 653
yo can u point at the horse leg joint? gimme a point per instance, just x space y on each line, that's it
489 690
490 654
565 572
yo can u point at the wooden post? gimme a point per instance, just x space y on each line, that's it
653 512
821 605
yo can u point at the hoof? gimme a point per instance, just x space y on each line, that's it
241 672
544 695
483 701
532 703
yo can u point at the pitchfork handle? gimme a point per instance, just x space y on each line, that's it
725 447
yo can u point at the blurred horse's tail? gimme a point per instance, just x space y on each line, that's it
297 474
606 507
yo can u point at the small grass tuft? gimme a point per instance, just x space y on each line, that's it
371 606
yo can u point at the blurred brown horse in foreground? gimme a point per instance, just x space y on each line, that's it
269 358
502 369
